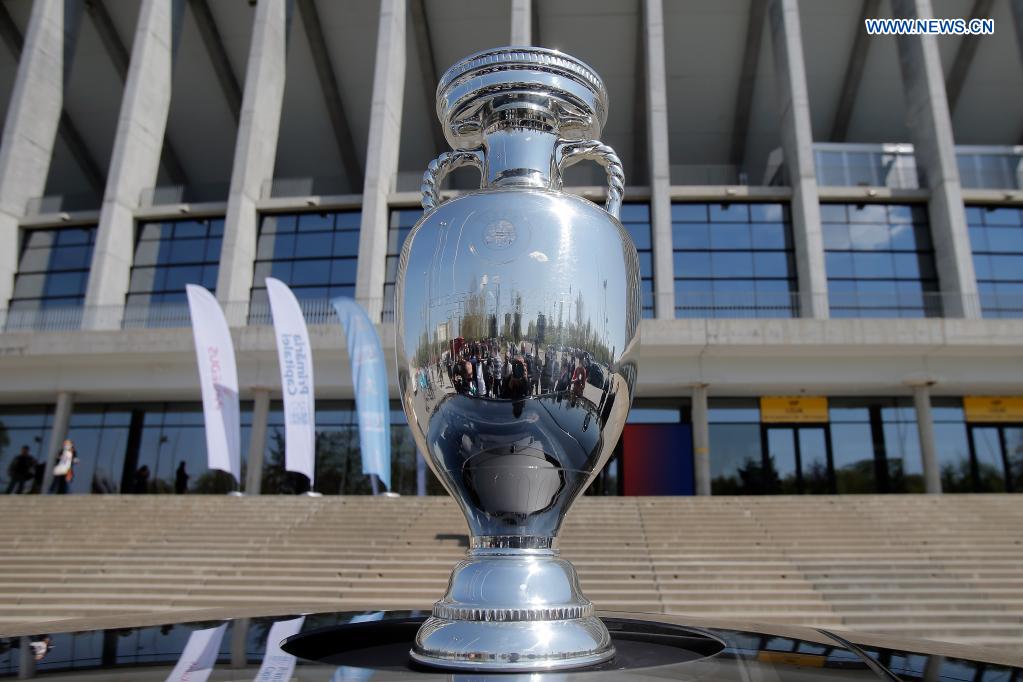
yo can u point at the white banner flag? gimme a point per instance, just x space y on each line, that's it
218 375
278 665
199 657
296 360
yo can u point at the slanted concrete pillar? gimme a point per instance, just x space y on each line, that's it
925 427
797 147
521 22
255 152
381 155
135 162
30 129
257 441
701 440
660 163
930 130
1017 21
58 432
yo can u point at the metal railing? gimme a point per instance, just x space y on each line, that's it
688 304
736 304
894 166
168 195
984 167
277 188
867 165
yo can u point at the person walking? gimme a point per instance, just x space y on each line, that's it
20 471
64 471
181 479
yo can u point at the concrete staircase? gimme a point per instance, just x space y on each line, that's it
944 567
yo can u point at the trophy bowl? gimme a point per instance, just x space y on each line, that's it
516 318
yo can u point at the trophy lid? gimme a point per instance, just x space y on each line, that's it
540 86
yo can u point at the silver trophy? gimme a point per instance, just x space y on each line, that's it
516 316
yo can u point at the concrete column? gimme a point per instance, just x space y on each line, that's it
701 440
58 432
381 156
135 162
797 147
239 634
925 427
930 130
257 441
522 22
255 153
660 164
26 659
420 474
1017 21
30 129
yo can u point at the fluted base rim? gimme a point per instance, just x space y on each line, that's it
512 646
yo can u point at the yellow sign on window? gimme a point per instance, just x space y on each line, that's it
794 409
993 408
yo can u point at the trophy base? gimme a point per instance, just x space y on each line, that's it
510 610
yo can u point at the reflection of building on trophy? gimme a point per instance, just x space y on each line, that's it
532 408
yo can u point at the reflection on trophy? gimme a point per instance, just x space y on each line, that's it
516 318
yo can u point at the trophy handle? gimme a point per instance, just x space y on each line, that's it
570 153
440 167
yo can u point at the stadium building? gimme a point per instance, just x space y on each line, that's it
830 229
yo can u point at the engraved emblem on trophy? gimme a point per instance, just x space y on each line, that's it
517 311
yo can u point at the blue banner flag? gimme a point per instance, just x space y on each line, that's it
369 376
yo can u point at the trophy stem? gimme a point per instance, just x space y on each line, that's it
510 609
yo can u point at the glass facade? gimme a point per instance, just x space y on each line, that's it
53 271
733 260
636 220
168 255
338 458
996 238
880 261
845 165
866 446
998 168
316 254
24 427
402 222
876 446
139 449
736 450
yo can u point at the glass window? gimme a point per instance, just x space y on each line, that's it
316 254
636 220
996 236
733 260
338 457
875 445
168 256
100 435
53 271
736 456
24 429
879 261
402 222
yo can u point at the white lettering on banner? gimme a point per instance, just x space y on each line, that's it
278 665
199 656
296 364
